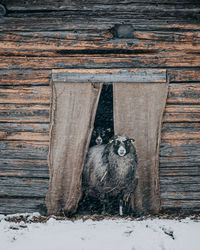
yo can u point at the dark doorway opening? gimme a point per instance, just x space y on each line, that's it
103 125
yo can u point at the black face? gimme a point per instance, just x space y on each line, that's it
100 136
99 132
122 148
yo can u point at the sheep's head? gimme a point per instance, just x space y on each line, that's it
121 144
100 135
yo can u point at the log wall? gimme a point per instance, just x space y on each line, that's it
38 36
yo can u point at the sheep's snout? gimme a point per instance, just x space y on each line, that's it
99 140
121 151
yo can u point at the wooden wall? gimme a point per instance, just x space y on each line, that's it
38 36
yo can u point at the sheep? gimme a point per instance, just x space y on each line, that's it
110 171
100 136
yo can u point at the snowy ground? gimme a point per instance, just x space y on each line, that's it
107 234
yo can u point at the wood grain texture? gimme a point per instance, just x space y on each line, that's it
105 5
181 131
67 42
179 170
184 75
24 168
182 204
25 95
181 195
178 148
24 187
20 126
24 149
184 93
109 60
20 205
182 113
25 77
188 160
24 112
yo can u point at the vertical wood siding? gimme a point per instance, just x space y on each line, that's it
43 35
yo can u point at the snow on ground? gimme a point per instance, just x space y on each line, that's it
106 234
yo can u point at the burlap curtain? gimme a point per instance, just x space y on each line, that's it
73 111
139 101
138 111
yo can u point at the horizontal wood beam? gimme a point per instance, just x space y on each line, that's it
152 60
109 75
139 6
42 77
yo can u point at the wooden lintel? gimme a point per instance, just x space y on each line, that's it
109 75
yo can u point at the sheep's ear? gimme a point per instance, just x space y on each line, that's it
108 129
132 141
110 141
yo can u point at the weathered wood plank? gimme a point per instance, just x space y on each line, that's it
12 127
55 43
25 77
25 95
179 161
186 130
23 136
20 205
182 113
133 17
181 117
183 204
179 187
23 187
30 24
24 168
149 60
184 93
23 112
109 76
184 75
181 195
173 180
180 148
181 16
181 135
24 150
179 170
101 5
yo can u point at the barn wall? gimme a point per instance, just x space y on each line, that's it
38 36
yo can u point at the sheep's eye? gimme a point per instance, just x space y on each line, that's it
117 143
127 143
